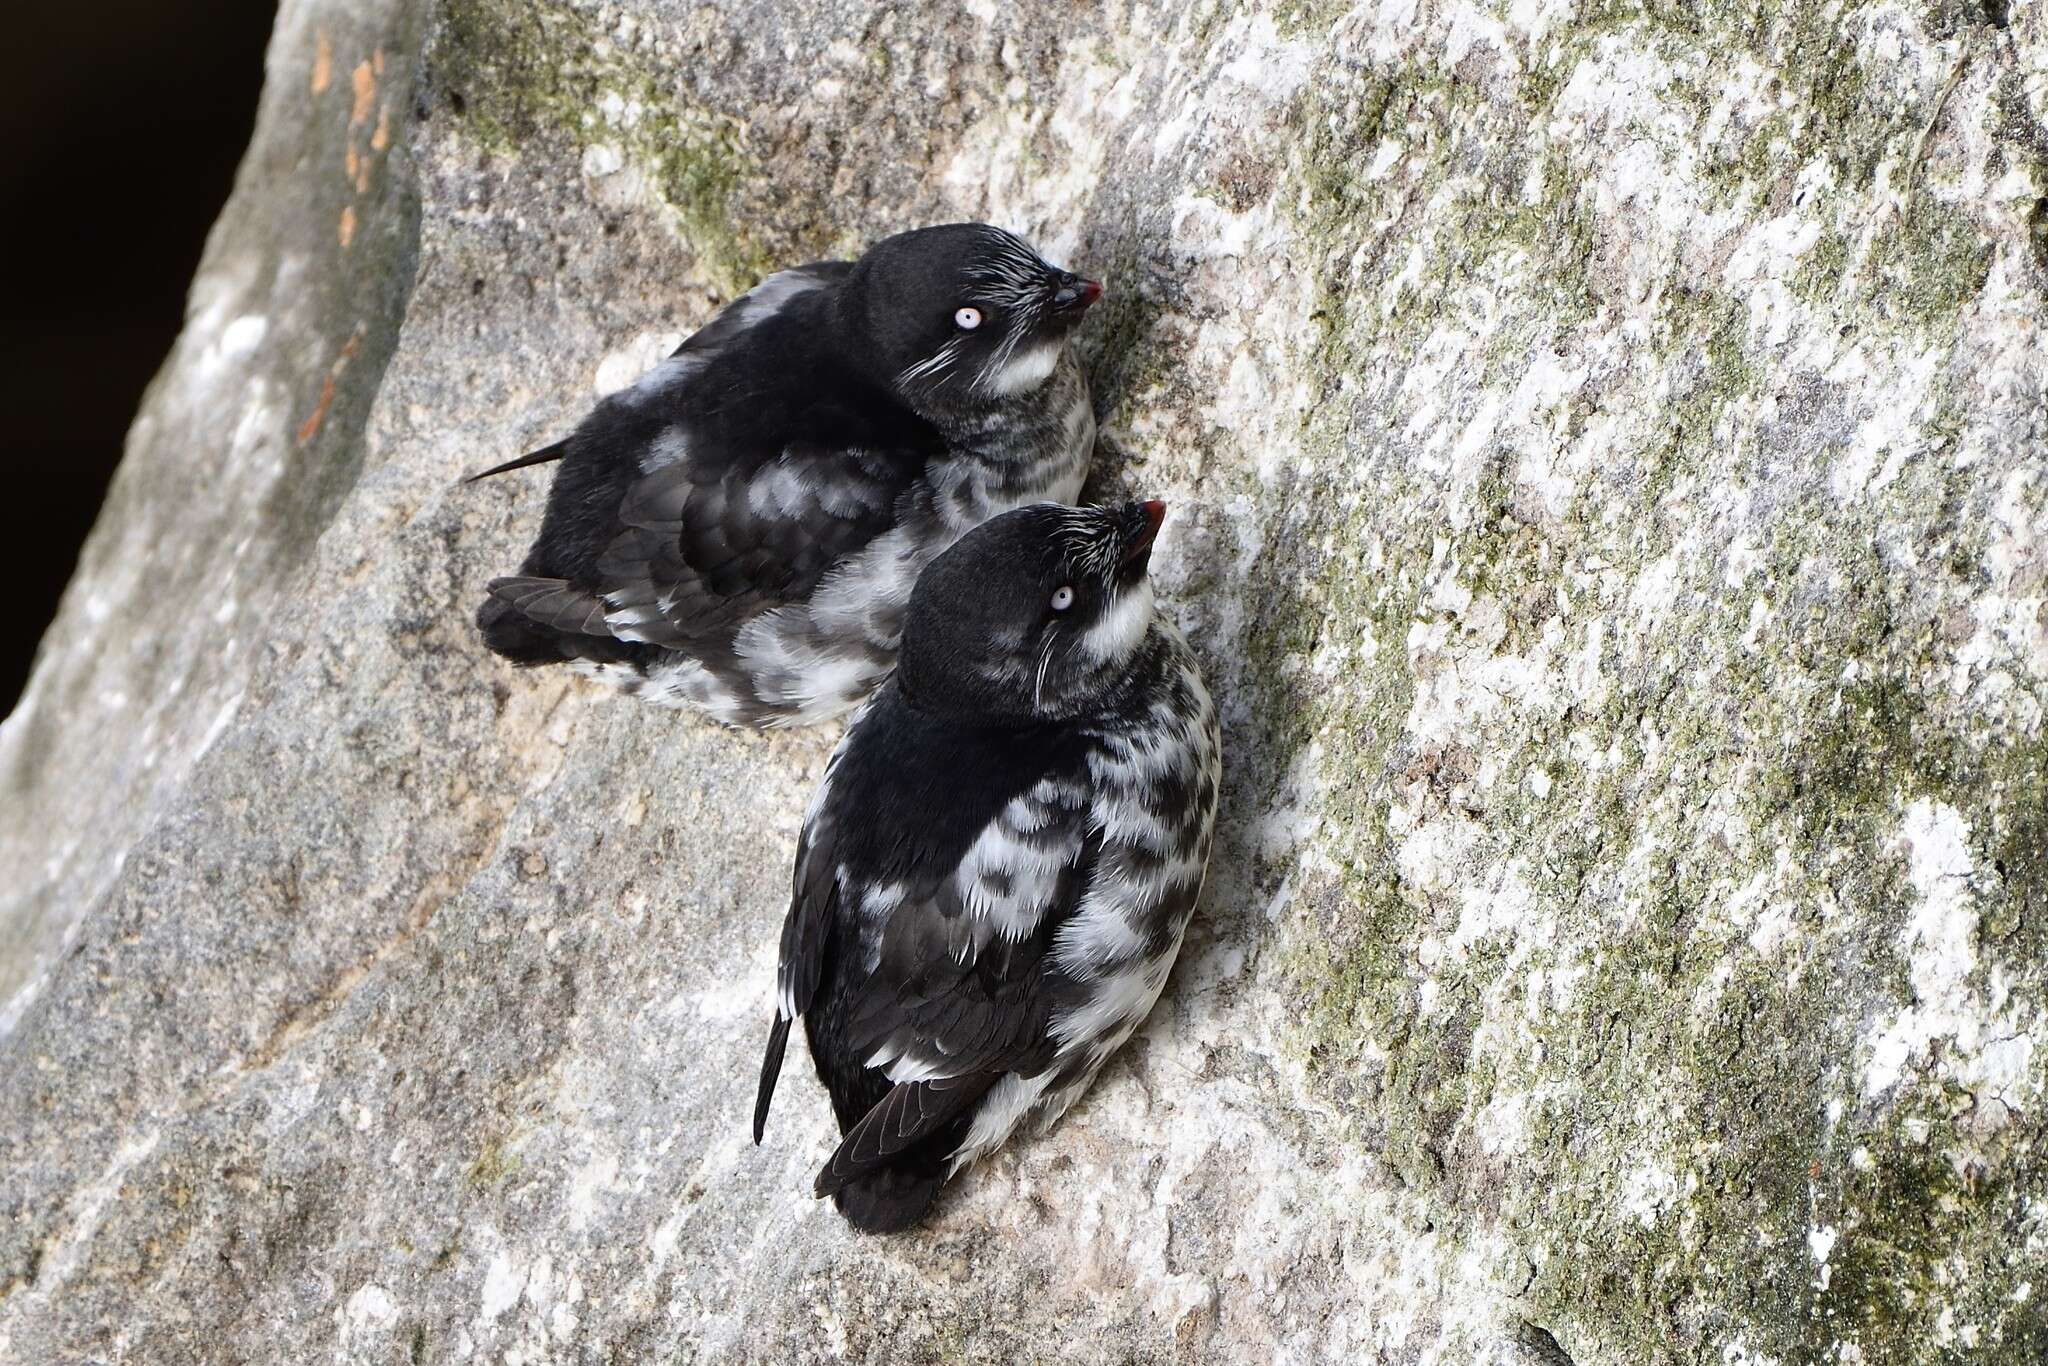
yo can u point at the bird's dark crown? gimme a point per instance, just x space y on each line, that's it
1034 615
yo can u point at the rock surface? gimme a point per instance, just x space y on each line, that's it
1607 450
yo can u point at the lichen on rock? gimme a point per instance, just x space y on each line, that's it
1606 451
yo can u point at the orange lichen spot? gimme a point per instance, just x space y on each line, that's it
349 159
310 428
365 81
323 62
381 139
363 165
377 60
348 226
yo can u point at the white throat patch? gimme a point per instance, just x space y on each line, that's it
1025 370
1116 634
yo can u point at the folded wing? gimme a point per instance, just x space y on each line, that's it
936 975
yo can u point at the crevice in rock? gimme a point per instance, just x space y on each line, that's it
1539 1347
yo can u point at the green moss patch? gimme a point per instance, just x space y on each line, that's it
1697 1134
516 74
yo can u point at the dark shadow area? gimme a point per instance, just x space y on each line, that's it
124 122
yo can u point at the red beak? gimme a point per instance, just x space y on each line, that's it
1076 294
1155 513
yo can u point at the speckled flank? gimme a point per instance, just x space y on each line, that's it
1604 445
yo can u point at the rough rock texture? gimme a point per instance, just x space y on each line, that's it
1607 446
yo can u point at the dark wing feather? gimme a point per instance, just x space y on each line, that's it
990 1015
949 1029
956 992
813 901
698 555
970 1023
731 322
908 1113
934 870
553 602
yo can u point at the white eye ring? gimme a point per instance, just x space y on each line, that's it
1062 598
967 318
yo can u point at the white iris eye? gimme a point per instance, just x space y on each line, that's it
967 318
1062 598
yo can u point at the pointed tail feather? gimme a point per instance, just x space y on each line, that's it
771 1068
539 457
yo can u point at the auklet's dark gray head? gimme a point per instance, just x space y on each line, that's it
964 315
1033 615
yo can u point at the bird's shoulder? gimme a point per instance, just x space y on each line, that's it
796 294
911 799
776 376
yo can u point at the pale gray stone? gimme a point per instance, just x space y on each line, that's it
1606 454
